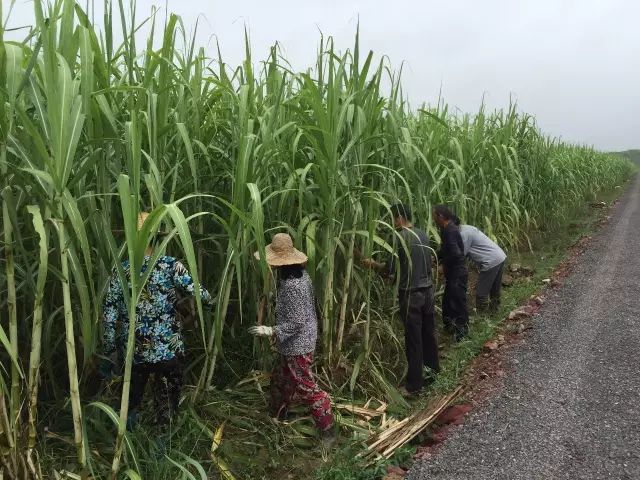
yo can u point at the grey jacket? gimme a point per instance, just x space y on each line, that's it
296 327
480 248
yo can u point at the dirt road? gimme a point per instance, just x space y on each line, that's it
570 408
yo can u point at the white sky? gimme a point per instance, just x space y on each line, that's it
574 64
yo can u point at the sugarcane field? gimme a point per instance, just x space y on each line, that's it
333 241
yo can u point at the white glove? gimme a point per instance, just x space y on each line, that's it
261 331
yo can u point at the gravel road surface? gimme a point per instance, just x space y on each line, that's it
570 407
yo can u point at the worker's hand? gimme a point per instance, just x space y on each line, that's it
368 263
261 331
440 270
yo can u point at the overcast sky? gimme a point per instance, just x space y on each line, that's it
574 64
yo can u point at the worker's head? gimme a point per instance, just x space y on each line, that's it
442 215
401 215
142 217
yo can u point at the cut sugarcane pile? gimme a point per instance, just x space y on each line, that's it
395 433
364 412
364 420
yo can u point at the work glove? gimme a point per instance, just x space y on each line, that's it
261 331
367 262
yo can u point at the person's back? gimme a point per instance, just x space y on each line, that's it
415 298
455 315
158 331
159 345
452 251
480 248
295 331
415 269
296 327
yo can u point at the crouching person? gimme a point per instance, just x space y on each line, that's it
295 332
159 344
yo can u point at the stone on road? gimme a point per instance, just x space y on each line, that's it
570 409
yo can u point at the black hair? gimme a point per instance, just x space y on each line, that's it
446 213
291 271
401 210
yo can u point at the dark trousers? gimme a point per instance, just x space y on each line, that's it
454 303
489 288
167 386
417 314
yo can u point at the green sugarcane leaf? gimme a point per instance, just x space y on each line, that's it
182 130
180 223
195 464
77 222
10 350
356 370
185 472
132 475
38 225
40 175
115 419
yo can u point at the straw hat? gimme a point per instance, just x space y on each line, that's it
281 252
142 217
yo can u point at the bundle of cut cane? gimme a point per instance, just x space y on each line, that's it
387 441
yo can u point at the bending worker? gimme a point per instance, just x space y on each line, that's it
490 260
454 303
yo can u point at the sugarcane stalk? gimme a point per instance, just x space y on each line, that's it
5 425
36 334
345 295
327 307
213 352
74 390
126 382
12 308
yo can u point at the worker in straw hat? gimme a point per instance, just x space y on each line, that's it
159 344
295 332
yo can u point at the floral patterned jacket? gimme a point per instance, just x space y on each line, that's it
158 331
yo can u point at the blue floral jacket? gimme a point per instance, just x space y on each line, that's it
158 331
